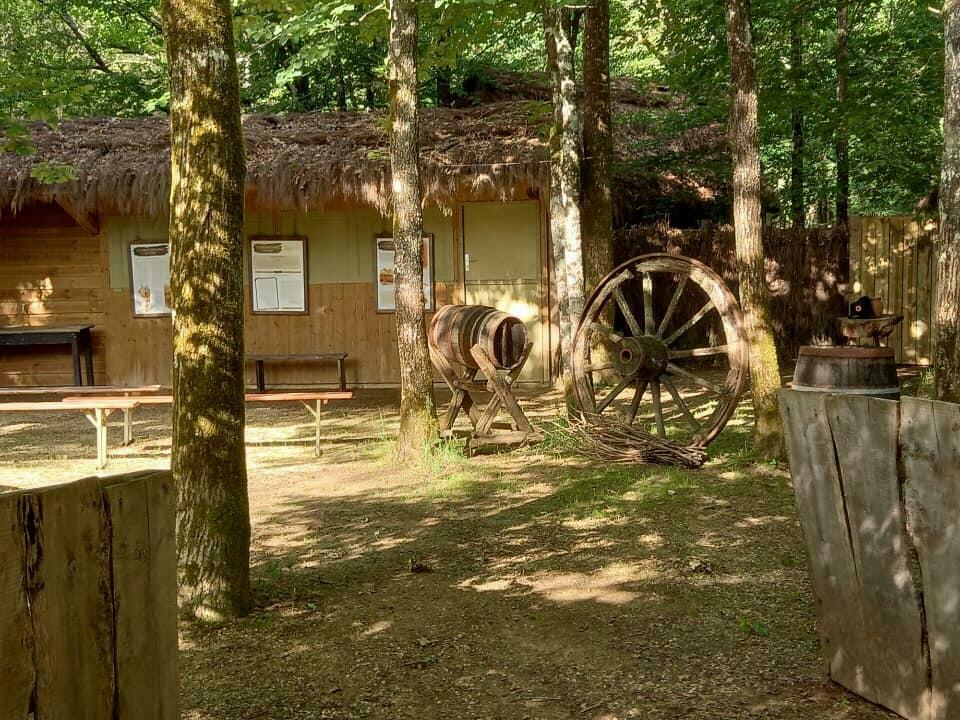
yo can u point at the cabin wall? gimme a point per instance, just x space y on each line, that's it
52 272
341 313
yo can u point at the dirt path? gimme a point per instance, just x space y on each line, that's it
555 589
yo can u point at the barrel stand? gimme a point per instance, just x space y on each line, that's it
463 385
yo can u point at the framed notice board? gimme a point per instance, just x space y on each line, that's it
150 279
278 274
384 256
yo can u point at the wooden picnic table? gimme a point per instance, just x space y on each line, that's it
76 336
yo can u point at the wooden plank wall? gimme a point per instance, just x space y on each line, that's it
877 483
893 258
88 622
52 272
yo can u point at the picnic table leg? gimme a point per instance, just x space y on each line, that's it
343 377
75 349
316 419
99 421
128 426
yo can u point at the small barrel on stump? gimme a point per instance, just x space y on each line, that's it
848 371
457 328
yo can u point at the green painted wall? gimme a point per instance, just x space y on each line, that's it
340 243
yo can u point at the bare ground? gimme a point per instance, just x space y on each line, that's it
556 589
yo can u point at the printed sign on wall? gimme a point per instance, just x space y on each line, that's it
278 268
386 288
150 278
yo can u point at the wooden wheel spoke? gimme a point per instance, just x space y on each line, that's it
627 313
637 397
700 315
674 369
658 409
699 352
612 395
675 394
672 307
648 325
608 332
598 367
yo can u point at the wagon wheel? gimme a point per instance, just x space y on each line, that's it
670 347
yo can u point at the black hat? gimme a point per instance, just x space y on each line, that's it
861 309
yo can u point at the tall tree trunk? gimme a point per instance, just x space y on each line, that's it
798 208
206 238
597 204
340 80
754 294
946 377
565 153
843 132
418 415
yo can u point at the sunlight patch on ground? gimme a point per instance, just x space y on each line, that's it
604 586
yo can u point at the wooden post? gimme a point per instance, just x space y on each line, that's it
128 426
88 600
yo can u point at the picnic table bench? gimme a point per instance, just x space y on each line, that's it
98 409
337 357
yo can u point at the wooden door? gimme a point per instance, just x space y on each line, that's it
502 268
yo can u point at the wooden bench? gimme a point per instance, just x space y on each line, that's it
312 401
85 390
338 357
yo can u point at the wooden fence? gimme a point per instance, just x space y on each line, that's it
88 601
894 258
877 486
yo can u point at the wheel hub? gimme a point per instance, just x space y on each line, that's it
646 356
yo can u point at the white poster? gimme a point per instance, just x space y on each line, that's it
386 290
279 274
150 279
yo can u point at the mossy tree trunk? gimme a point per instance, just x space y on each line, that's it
597 202
947 313
754 293
206 238
418 415
559 23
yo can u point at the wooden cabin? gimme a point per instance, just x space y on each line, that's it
93 249
318 260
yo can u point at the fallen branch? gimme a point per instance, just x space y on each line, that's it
615 442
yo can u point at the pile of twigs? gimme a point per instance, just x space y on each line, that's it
610 441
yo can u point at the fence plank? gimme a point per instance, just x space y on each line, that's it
925 281
74 640
870 488
856 262
895 303
819 499
16 636
144 576
931 461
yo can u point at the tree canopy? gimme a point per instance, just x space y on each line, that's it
80 57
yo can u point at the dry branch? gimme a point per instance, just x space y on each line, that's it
612 441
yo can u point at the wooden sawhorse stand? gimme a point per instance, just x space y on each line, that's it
463 384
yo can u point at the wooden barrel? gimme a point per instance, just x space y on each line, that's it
457 328
848 371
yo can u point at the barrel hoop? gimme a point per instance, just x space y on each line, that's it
846 352
848 391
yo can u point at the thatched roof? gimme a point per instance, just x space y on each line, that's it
293 161
305 161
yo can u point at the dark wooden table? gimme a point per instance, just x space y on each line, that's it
76 336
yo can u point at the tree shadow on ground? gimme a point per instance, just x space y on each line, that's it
549 587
